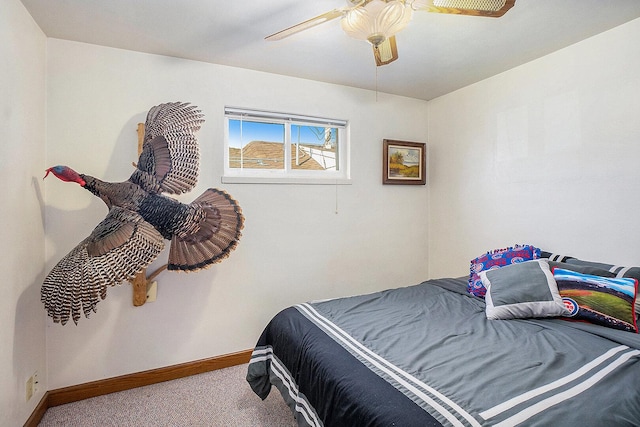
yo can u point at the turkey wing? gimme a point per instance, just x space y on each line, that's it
117 249
170 157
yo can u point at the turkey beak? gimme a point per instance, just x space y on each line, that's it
47 173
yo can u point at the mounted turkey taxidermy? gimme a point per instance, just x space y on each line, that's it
132 235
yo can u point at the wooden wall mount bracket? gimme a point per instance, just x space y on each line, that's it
141 283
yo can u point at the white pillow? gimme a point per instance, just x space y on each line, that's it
522 290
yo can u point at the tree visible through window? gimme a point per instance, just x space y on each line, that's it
262 143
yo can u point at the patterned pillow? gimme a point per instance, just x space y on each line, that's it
616 270
496 259
601 300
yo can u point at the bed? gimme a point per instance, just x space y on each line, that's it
430 355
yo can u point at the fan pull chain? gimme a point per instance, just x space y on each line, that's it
376 83
241 146
336 197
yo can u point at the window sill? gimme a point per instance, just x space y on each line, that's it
282 180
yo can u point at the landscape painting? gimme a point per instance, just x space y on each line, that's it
403 162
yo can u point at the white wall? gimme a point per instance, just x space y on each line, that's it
22 120
546 153
294 248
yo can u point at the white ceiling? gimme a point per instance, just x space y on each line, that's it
438 53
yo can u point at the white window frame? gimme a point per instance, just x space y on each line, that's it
288 175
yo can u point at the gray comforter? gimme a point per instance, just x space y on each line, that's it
433 343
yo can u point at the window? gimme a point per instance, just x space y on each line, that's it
263 146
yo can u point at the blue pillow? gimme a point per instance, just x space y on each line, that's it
496 259
606 301
617 270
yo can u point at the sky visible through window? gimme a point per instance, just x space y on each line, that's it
274 132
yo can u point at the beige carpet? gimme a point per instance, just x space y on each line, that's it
218 398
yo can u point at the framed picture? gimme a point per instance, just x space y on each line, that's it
403 162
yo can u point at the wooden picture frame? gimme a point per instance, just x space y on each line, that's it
404 162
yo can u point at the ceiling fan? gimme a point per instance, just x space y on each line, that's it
377 21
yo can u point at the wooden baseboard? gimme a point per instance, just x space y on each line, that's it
74 393
38 413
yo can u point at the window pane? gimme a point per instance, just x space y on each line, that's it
314 148
266 146
256 145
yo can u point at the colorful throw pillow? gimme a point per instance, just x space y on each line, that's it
522 290
617 270
607 301
496 259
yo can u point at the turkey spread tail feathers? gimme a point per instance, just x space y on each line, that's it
215 233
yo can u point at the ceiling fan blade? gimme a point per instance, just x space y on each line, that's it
386 52
309 23
489 8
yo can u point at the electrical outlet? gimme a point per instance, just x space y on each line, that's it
32 385
30 388
152 292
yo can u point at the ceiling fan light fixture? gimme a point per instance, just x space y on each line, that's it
377 20
376 39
